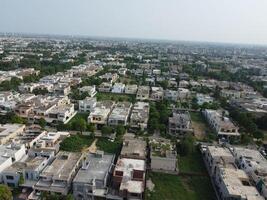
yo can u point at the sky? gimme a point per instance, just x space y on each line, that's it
230 21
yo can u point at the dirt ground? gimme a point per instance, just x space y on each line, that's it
199 129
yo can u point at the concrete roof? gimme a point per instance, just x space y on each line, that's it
97 167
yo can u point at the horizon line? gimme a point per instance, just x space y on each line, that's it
82 36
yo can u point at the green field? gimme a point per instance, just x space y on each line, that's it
108 146
75 143
196 116
172 187
115 97
192 163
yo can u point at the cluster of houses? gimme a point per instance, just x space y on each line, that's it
236 172
31 159
18 73
61 82
145 92
110 113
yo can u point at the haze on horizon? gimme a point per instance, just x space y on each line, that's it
231 21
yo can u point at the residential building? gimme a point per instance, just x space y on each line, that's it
87 105
129 178
100 113
134 148
229 181
183 84
171 95
10 131
183 93
180 123
202 98
224 127
27 171
90 90
109 77
255 165
58 176
163 155
120 114
130 89
94 176
230 94
157 93
118 88
9 154
105 87
143 93
139 115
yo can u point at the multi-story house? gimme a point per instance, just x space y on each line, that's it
129 178
222 125
163 155
139 115
130 89
118 88
180 123
120 114
90 90
157 93
57 177
94 176
100 113
143 93
87 105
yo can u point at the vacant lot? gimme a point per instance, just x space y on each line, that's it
192 163
76 143
108 146
115 97
199 125
172 187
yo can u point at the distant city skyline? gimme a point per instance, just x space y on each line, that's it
227 21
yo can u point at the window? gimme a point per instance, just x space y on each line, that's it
9 177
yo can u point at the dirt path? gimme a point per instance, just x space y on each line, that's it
92 148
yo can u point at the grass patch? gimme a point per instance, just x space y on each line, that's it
115 97
172 187
75 143
108 146
192 163
197 117
77 117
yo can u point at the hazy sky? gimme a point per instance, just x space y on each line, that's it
239 21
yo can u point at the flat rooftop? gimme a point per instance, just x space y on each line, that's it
133 146
233 180
62 166
97 168
7 129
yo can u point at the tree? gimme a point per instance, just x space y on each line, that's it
42 122
17 119
79 125
106 130
21 179
258 134
40 91
5 193
120 130
186 145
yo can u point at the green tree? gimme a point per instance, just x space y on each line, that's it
186 145
79 125
258 134
42 122
5 193
21 179
106 130
17 119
